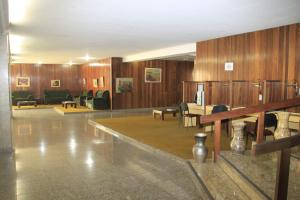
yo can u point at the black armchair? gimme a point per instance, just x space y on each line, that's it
101 101
251 127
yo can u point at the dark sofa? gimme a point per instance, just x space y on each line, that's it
56 96
100 101
21 96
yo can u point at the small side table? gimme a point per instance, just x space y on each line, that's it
162 113
26 103
71 103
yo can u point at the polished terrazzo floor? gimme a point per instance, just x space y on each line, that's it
62 157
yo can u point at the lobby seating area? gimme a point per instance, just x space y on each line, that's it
149 100
59 98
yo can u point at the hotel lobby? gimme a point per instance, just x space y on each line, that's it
149 99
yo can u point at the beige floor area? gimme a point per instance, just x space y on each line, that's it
57 107
168 135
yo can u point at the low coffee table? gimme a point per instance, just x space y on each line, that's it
71 103
26 103
161 113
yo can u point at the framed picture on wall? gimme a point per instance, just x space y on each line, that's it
124 85
152 75
95 82
23 82
101 81
55 83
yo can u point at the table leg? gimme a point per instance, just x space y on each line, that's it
198 121
75 105
162 116
174 114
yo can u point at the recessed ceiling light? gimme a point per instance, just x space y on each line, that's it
87 57
97 64
70 63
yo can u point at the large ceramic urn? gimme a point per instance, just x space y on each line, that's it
282 129
237 143
199 149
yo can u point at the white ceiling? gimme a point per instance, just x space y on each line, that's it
57 31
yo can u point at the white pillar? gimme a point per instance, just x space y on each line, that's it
5 108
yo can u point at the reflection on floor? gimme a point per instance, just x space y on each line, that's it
62 157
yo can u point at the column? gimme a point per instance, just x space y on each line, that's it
5 109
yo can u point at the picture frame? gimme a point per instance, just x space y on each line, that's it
228 66
152 75
95 83
124 85
22 82
55 83
101 81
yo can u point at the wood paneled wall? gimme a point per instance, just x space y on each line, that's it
271 54
41 76
262 55
89 73
144 95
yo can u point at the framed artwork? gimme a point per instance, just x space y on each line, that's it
124 85
152 75
95 82
101 81
23 82
55 83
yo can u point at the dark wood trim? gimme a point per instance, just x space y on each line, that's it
260 127
217 139
250 110
282 175
276 145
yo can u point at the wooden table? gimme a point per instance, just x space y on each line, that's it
71 103
26 103
163 112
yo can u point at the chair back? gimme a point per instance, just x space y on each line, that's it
98 94
183 107
270 120
89 93
105 95
219 108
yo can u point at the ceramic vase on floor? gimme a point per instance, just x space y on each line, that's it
282 129
199 149
237 143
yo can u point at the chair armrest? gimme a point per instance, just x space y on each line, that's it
29 97
69 97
